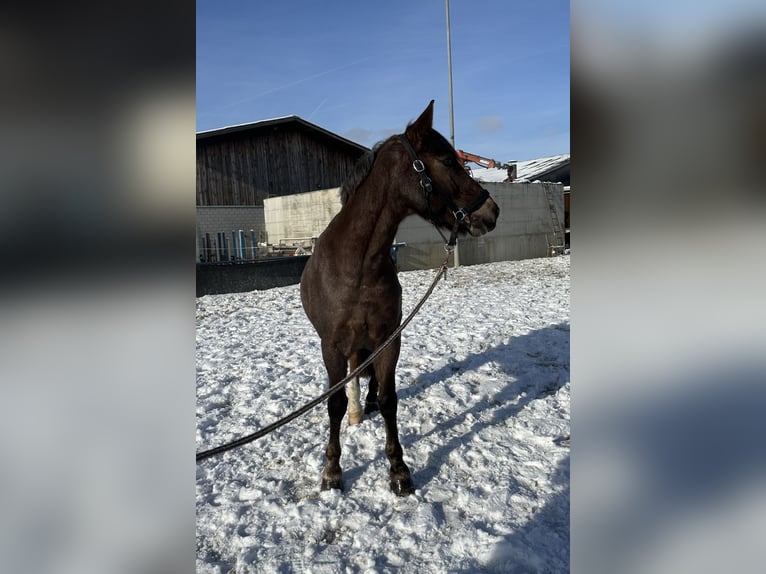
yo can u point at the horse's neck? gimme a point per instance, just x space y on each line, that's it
374 213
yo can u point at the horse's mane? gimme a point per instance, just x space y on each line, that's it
359 173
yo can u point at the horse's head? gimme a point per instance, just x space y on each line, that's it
448 197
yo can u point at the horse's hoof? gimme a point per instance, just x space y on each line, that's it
371 408
402 487
355 418
332 484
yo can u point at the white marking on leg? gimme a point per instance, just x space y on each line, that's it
355 411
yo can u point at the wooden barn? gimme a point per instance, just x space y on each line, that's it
240 166
244 164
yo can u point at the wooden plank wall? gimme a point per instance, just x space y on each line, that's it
245 168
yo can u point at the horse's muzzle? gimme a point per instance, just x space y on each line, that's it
484 219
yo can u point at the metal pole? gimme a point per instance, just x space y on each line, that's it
242 247
456 255
449 68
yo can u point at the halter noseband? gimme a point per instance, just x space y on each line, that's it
460 213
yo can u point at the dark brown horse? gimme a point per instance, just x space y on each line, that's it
349 288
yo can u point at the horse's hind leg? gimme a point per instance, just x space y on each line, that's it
355 412
385 366
371 402
336 366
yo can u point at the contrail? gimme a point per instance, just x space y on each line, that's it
295 83
316 109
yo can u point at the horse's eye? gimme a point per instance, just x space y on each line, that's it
448 162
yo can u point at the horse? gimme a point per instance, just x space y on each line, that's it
349 287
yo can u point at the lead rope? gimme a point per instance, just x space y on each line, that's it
334 389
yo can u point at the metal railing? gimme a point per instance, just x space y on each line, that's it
237 246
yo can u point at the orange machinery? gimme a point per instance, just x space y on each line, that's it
466 158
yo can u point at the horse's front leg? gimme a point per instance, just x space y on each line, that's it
335 362
385 367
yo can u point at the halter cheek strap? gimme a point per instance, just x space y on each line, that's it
460 213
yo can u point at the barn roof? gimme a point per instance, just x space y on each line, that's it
528 170
285 120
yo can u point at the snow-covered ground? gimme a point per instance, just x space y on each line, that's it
483 383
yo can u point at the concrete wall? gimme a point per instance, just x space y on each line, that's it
523 230
242 277
300 214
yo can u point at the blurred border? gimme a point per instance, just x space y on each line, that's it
668 362
97 128
96 236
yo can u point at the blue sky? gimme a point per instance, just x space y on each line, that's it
364 69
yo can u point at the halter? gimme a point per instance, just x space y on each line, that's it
460 213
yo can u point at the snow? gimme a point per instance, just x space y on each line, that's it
484 389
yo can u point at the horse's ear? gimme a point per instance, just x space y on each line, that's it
418 129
